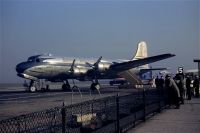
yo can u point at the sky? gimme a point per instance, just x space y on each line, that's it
111 29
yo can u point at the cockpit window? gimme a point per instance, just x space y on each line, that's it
30 60
37 60
33 58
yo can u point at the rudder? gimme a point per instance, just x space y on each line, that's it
141 51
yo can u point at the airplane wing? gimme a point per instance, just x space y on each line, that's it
135 63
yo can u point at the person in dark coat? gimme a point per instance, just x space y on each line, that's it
162 81
180 84
173 92
168 90
161 85
157 82
196 86
188 88
176 93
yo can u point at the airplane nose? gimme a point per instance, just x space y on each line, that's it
20 68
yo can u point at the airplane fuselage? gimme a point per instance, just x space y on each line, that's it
58 69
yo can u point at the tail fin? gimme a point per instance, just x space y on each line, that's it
141 51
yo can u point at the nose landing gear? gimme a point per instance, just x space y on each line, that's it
36 85
32 86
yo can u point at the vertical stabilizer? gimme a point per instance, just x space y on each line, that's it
141 51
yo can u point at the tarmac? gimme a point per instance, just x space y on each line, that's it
15 101
183 120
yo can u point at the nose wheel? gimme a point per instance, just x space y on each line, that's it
32 87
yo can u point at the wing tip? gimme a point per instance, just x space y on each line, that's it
171 55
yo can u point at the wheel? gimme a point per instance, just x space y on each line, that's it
75 87
32 89
92 87
47 88
95 86
66 87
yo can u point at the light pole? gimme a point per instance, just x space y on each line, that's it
198 61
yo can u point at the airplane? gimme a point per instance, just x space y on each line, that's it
60 69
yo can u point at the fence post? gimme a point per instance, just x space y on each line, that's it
117 104
159 99
63 118
92 107
144 104
18 125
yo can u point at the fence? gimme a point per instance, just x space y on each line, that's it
109 115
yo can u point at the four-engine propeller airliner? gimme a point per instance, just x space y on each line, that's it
61 69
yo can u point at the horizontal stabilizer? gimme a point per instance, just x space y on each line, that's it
152 69
135 63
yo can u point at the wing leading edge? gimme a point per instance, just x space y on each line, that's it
135 63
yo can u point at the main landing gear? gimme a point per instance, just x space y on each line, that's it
35 86
32 86
66 86
95 86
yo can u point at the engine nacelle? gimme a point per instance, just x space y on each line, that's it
79 71
103 66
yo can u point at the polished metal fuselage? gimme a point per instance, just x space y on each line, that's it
57 69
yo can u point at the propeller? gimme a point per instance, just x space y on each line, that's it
72 66
95 67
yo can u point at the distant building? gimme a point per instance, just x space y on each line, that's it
192 72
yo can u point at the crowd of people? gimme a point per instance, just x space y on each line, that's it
178 88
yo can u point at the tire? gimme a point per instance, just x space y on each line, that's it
32 89
95 86
111 84
75 87
66 87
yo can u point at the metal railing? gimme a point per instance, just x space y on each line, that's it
109 115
